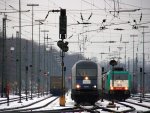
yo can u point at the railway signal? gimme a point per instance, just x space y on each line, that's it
63 23
113 62
63 45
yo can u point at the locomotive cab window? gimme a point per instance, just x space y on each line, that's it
120 77
86 72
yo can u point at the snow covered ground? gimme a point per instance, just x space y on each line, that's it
17 104
69 104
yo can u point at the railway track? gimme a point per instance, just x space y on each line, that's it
34 107
139 104
138 99
21 108
99 107
4 101
140 108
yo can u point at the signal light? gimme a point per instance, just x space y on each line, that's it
63 45
62 23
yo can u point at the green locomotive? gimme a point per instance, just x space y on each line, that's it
117 84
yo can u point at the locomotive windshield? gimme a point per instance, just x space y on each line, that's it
120 76
86 72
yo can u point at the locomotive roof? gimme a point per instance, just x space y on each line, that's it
116 71
86 63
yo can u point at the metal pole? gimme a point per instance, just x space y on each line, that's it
3 56
17 37
39 64
5 86
62 98
44 66
26 68
39 69
133 55
136 71
44 59
125 53
47 64
20 52
102 85
125 56
32 71
143 67
51 60
62 71
133 63
120 48
64 80
113 82
143 72
129 64
46 70
140 85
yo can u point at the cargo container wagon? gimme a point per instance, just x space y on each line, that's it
55 85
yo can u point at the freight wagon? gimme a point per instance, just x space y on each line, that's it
55 85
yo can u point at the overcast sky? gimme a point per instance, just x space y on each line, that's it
99 13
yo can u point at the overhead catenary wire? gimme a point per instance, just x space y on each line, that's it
75 17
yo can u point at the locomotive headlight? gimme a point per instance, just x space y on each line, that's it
86 78
126 88
94 86
111 88
77 86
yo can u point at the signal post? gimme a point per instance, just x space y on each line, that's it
63 45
